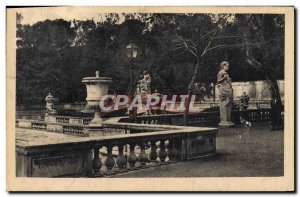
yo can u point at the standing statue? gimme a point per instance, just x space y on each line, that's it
225 95
144 84
143 89
147 78
139 85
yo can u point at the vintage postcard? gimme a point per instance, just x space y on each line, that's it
150 99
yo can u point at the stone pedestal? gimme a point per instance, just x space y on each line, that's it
59 163
50 118
225 114
97 118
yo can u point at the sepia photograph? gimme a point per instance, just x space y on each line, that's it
150 98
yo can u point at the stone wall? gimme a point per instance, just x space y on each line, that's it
41 154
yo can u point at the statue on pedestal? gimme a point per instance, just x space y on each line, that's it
50 105
226 95
144 88
144 84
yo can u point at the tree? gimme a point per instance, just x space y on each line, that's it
269 30
215 35
41 59
55 55
206 36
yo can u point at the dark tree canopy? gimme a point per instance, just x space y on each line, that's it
54 55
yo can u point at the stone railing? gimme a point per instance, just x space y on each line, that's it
38 126
206 119
30 107
155 145
199 106
62 119
64 128
73 120
259 115
42 106
148 150
79 126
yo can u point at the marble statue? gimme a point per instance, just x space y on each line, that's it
97 73
144 84
226 95
139 85
50 104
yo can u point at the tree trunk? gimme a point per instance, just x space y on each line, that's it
189 93
264 69
271 80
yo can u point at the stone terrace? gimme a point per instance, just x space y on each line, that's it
240 152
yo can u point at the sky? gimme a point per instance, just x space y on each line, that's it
52 14
33 15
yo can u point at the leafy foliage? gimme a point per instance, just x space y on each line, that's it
54 55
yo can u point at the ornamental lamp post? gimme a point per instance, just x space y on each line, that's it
131 52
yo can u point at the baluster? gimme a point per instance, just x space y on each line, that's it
109 161
132 158
153 153
97 164
121 160
162 153
143 158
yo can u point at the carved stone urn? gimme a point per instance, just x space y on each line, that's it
96 88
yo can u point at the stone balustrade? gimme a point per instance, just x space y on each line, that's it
58 119
72 120
259 115
147 151
202 119
63 119
206 119
44 156
39 126
57 127
199 106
